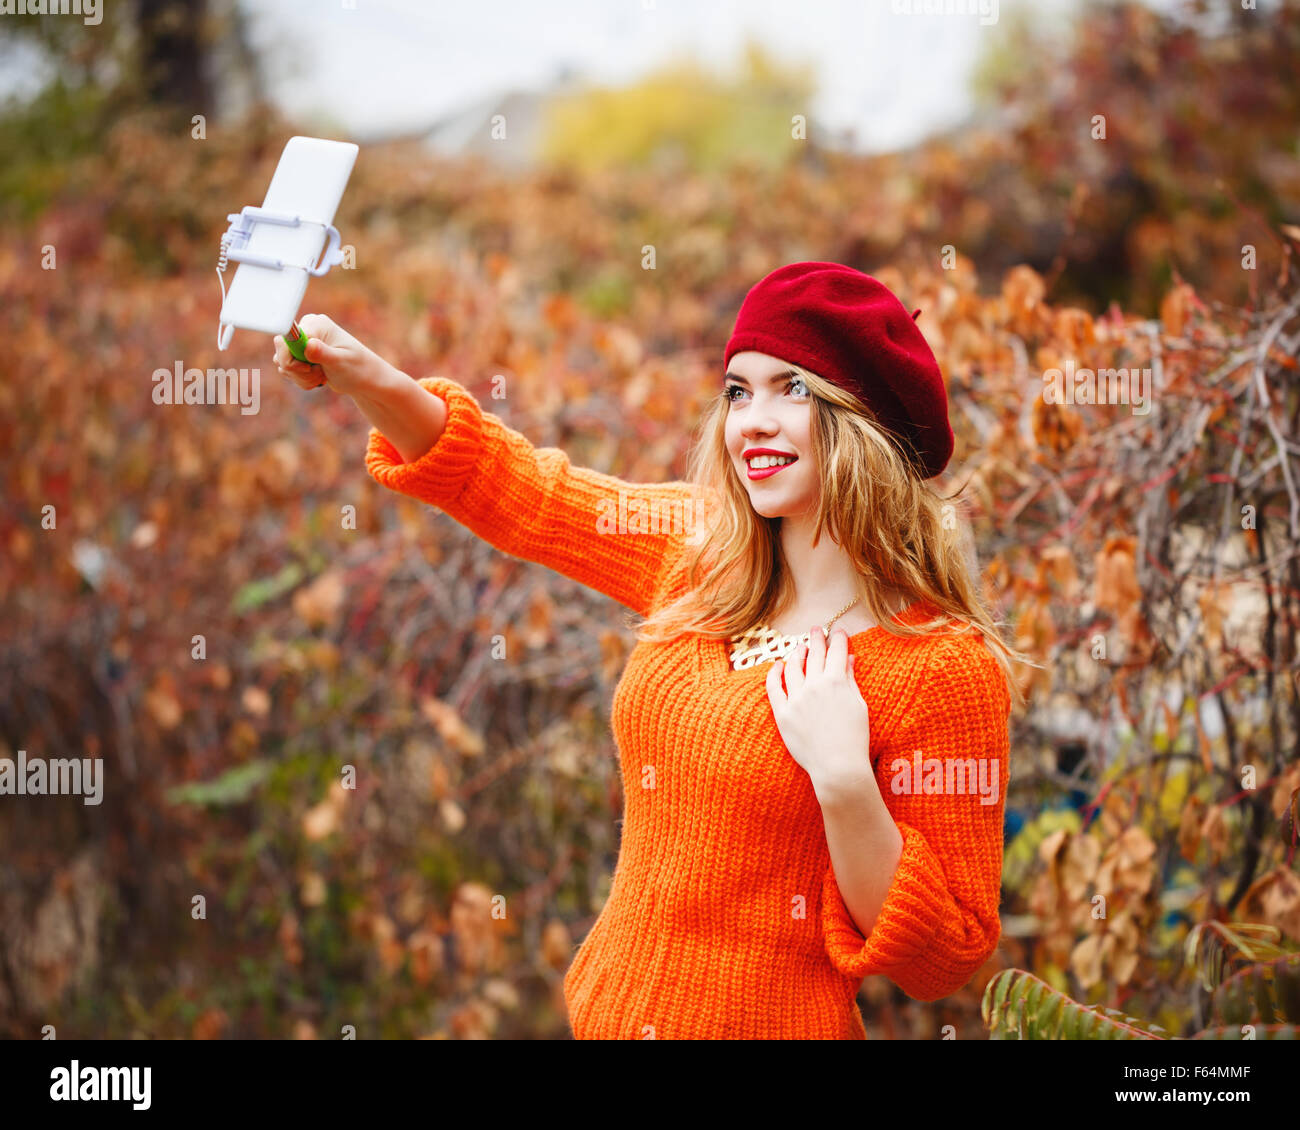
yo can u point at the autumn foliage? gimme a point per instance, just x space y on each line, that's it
1148 562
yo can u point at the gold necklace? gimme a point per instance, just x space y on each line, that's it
766 645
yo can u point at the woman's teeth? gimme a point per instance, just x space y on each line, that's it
759 462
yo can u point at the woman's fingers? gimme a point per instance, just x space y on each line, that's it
318 326
835 657
322 353
818 656
340 357
816 650
794 669
304 376
775 692
286 360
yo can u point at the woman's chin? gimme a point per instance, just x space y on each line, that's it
770 507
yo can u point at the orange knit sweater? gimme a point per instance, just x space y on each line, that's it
723 918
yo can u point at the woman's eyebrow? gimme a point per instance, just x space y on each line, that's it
770 380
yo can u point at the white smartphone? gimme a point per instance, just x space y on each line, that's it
308 183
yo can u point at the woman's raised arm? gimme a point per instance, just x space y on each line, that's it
614 536
431 440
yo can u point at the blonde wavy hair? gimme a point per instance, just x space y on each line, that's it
901 535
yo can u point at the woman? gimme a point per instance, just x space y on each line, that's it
803 807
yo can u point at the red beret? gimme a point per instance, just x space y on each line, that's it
852 330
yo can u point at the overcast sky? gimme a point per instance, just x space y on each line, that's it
892 77
378 66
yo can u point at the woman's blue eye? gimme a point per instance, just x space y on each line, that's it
796 381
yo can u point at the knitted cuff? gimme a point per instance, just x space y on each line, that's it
440 474
908 921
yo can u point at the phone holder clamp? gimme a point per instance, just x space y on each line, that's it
234 246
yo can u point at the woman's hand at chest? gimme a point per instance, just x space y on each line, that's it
821 715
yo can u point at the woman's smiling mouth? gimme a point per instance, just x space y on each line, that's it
765 466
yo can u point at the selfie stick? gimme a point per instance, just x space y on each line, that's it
290 232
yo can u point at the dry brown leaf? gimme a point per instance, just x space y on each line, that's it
161 702
1074 327
1213 599
144 535
1057 562
1057 427
318 603
452 727
557 944
313 891
1285 789
621 348
209 1025
1079 866
439 779
1116 584
1135 865
1114 814
1189 829
453 816
20 544
1085 960
392 954
501 993
1049 849
561 313
320 821
425 948
1127 947
1176 308
290 943
538 626
1022 289
478 942
474 1020
1274 898
1035 629
1214 831
256 701
277 468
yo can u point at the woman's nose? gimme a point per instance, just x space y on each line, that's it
759 421
756 429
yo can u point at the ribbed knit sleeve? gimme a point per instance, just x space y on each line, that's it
614 536
939 922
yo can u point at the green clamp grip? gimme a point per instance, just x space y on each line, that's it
296 342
